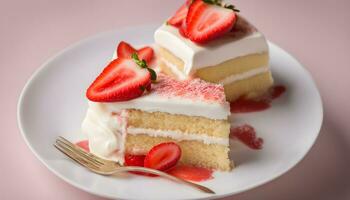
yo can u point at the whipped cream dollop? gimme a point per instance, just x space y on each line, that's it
106 132
243 40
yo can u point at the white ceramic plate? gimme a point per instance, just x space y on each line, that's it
53 103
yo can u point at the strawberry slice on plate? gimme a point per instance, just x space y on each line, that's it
191 173
163 156
180 15
121 80
125 50
208 21
134 160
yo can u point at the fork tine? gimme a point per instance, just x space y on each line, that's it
67 142
77 159
79 151
86 160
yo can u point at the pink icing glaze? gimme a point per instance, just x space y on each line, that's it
193 89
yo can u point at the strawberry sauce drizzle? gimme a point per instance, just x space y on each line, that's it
191 173
247 135
243 105
84 144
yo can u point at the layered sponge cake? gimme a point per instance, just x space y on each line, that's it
192 113
239 59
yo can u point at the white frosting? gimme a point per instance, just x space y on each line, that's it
154 103
106 132
177 135
197 56
244 75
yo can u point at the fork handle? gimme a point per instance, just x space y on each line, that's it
162 174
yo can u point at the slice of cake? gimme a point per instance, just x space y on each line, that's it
122 119
237 57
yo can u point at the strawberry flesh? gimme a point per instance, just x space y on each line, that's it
134 160
145 53
121 80
163 156
180 15
183 29
125 50
206 22
191 173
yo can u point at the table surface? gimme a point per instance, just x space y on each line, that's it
315 31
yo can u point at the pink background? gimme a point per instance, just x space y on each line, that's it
317 32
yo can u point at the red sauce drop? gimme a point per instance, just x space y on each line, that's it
243 105
191 173
277 91
247 135
84 144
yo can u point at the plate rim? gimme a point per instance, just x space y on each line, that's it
46 65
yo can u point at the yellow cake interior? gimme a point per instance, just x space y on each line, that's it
194 152
250 87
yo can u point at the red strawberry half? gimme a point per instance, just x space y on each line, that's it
183 29
191 173
163 156
206 21
180 15
145 53
125 50
121 80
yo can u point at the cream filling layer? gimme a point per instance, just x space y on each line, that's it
248 74
178 135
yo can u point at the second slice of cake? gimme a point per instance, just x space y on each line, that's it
239 59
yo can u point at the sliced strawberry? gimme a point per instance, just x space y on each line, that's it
191 173
207 21
180 15
84 144
183 29
125 50
145 53
121 80
163 156
134 160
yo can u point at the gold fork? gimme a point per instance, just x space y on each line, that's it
105 167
